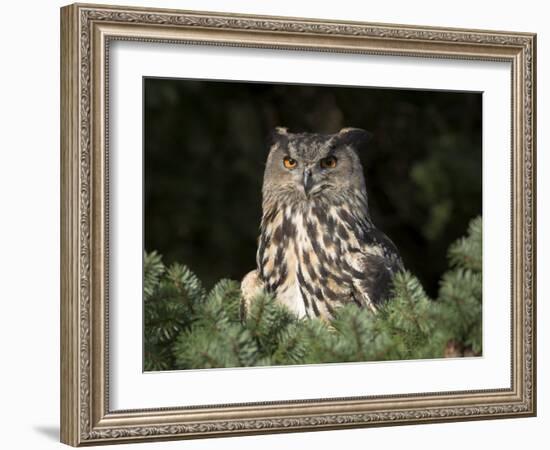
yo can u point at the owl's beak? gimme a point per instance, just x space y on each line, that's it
308 181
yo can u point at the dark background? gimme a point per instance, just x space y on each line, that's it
205 148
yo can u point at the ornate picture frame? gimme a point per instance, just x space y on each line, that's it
87 31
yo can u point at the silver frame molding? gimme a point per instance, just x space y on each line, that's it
86 32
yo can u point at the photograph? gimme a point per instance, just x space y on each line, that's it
277 224
308 224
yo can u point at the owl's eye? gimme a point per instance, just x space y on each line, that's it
289 163
329 162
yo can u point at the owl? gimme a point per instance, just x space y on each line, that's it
318 248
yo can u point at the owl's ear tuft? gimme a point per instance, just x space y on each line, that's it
355 137
278 135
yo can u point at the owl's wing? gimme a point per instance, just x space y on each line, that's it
373 269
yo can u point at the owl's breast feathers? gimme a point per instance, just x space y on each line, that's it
315 257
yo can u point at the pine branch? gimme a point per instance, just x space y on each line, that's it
467 251
153 268
266 320
187 328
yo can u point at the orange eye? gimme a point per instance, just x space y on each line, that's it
289 163
329 162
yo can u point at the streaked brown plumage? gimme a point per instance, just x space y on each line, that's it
318 248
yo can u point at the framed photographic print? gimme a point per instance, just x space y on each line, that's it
276 224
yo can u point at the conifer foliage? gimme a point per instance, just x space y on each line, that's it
188 328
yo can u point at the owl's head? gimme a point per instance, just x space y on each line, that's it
304 166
